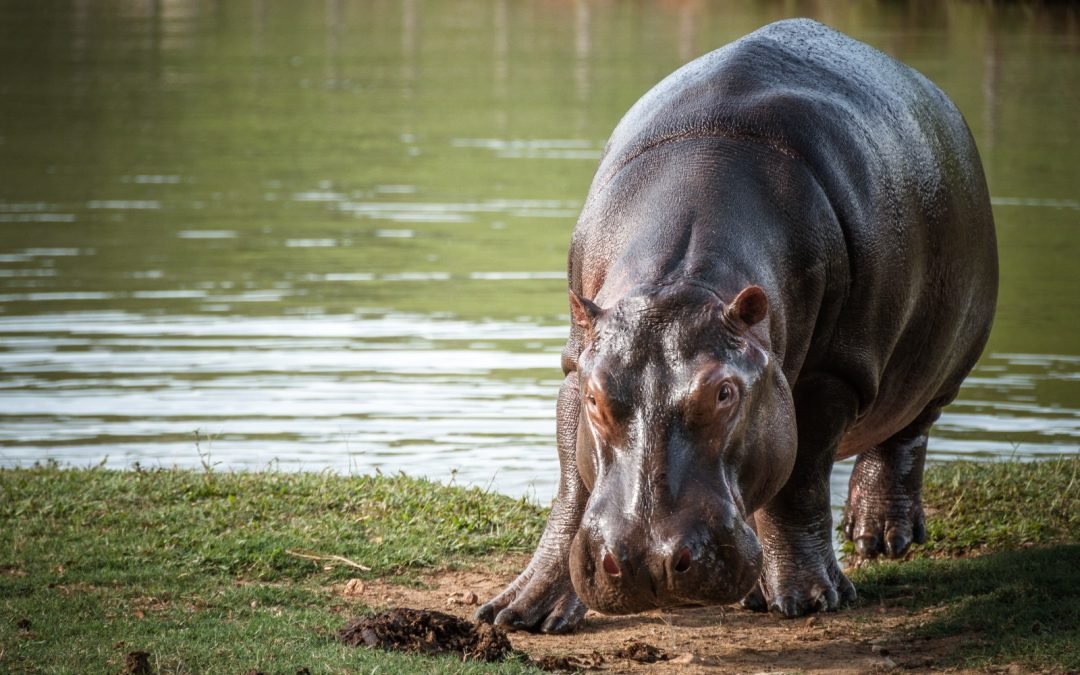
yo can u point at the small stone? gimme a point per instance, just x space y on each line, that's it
354 587
463 598
878 649
888 663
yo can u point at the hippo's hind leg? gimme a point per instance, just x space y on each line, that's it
800 572
884 513
542 598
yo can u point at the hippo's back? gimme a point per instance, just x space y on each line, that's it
879 137
899 168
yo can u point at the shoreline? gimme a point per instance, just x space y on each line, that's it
208 571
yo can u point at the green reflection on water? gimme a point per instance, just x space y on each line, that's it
269 159
139 123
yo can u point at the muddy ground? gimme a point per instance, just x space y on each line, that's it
699 640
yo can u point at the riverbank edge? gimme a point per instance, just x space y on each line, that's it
209 571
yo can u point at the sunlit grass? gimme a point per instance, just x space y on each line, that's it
225 572
222 572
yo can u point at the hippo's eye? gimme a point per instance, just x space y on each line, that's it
725 394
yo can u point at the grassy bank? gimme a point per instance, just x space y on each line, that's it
222 572
205 570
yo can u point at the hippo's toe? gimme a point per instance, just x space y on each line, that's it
802 589
884 524
819 600
755 600
562 614
535 603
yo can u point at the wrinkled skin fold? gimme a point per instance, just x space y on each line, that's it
787 257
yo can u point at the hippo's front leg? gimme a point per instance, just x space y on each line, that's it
800 573
542 597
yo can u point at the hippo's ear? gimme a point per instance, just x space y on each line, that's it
748 308
584 312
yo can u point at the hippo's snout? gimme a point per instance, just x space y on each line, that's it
679 563
630 567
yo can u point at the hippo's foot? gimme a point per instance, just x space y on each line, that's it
795 590
883 524
884 513
541 599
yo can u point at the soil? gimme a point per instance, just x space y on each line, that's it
427 632
710 640
137 663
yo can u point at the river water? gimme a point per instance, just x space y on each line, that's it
332 235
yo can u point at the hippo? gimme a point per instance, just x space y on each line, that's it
787 257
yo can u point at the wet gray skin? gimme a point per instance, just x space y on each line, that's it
787 257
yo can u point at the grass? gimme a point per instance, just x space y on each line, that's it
975 507
195 567
200 569
1018 600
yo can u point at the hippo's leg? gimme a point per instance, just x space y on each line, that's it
542 597
884 512
800 573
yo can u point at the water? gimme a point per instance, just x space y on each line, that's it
333 236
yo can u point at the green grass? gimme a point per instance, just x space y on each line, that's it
1019 600
198 568
974 507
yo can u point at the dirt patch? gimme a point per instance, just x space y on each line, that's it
427 632
695 640
640 652
571 662
430 632
137 663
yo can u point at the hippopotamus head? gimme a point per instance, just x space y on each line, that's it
686 428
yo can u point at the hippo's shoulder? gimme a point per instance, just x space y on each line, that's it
794 84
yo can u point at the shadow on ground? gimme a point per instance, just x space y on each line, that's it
1023 602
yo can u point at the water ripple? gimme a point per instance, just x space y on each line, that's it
377 390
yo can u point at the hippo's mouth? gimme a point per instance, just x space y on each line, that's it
623 583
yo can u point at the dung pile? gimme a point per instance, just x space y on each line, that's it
428 632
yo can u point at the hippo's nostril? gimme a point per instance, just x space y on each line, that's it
610 566
682 563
